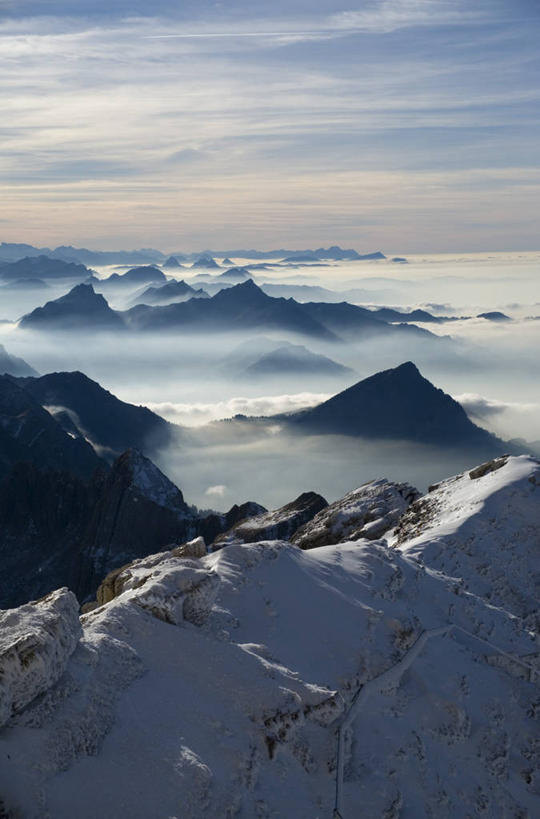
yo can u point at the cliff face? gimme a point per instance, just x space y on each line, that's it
59 530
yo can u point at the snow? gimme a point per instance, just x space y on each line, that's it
218 686
484 531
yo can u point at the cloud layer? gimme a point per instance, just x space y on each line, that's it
199 413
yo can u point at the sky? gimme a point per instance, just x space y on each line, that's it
400 125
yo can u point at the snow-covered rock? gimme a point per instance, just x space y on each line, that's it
280 523
218 686
36 642
138 571
367 512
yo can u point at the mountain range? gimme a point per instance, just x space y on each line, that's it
10 251
242 307
42 268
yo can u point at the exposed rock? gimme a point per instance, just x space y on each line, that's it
489 466
193 548
367 512
214 524
280 524
36 642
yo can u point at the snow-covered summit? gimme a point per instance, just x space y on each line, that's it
219 686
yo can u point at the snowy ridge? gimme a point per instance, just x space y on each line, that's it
484 528
219 686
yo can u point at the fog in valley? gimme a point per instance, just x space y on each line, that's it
196 378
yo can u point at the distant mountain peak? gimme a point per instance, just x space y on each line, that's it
81 306
400 404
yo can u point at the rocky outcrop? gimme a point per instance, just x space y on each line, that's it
120 579
214 524
280 524
36 642
367 512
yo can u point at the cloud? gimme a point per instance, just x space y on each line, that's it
217 491
200 413
508 419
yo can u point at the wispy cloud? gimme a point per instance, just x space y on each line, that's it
209 117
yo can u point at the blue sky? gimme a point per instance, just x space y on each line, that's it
405 125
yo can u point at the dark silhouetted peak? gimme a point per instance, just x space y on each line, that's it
100 416
236 273
29 433
244 292
494 315
81 307
205 261
400 404
172 261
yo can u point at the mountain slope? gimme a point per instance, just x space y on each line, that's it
105 420
399 404
28 433
12 365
